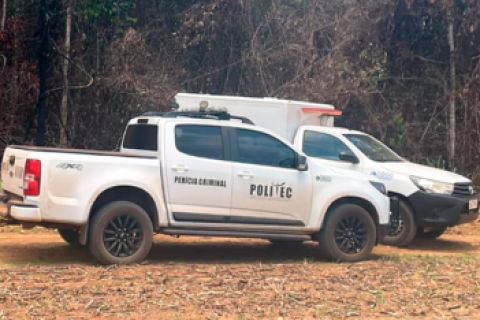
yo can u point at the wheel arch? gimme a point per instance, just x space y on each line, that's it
126 193
122 193
361 202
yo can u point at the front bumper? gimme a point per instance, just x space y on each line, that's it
12 208
437 210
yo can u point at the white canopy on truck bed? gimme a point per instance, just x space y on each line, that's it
280 116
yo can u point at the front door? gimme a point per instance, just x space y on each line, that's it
199 175
267 188
326 148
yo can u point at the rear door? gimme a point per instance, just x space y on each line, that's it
13 165
268 190
199 173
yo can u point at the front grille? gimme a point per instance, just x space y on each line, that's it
464 189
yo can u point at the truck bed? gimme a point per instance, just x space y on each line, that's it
82 151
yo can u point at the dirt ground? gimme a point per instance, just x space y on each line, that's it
41 277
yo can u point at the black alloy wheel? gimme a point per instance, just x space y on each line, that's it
122 236
351 235
348 234
120 232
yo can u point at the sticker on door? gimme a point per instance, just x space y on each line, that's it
276 190
200 181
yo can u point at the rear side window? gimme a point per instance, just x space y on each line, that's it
200 141
141 137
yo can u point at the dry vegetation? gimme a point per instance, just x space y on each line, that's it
198 278
386 64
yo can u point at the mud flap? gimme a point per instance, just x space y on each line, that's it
394 213
83 236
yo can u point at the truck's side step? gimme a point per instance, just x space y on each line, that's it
236 234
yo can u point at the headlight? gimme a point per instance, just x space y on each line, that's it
379 186
431 186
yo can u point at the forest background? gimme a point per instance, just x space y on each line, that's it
73 72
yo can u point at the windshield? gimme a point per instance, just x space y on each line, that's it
372 148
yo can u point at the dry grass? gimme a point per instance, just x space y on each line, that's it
405 288
198 278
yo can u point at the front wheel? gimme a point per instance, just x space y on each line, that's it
405 230
121 233
430 233
349 234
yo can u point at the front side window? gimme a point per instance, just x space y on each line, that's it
324 146
200 141
372 148
259 148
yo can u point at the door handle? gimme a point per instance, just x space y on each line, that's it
179 168
245 174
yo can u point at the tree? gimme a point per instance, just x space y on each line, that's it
66 64
406 71
4 15
43 24
453 80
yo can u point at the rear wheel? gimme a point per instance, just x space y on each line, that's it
406 228
71 236
349 234
121 233
430 233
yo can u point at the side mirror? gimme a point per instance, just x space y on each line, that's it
301 163
348 157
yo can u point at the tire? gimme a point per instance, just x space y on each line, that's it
430 234
341 220
406 231
70 236
120 233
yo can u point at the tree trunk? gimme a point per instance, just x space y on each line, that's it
42 72
66 64
452 96
4 15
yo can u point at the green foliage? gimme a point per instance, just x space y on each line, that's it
398 138
113 14
377 66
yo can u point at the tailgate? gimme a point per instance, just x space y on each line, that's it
13 165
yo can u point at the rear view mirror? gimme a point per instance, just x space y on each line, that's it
348 156
301 163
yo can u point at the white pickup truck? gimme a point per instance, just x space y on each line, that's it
430 200
192 173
